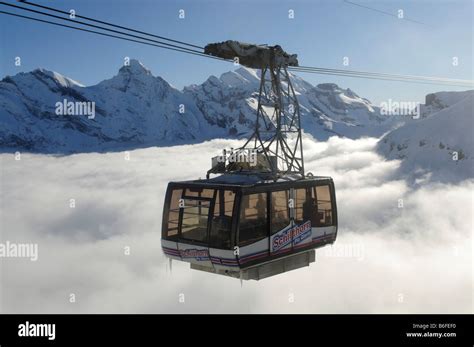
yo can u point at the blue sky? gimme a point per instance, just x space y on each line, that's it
322 33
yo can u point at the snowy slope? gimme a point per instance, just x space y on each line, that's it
437 101
428 146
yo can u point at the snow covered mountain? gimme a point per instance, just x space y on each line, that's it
132 109
326 110
439 145
136 109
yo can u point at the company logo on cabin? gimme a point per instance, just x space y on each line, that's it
198 254
296 234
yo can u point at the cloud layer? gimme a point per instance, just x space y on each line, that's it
387 258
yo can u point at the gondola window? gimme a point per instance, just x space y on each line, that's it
280 210
220 236
324 206
195 214
173 214
253 218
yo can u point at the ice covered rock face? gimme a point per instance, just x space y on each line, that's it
136 109
134 67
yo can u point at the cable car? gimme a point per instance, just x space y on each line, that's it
262 215
248 228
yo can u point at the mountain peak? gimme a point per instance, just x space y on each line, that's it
249 74
239 77
135 67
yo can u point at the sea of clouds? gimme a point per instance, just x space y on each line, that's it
387 259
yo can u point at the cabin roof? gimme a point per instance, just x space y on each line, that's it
247 180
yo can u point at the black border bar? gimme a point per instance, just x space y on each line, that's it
382 330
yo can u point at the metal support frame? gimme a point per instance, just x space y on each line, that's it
278 133
277 136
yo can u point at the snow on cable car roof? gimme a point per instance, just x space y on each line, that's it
251 55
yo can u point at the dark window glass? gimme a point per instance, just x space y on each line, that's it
280 211
194 219
173 214
300 204
324 210
220 236
310 207
253 218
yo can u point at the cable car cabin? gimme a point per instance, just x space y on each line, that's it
241 226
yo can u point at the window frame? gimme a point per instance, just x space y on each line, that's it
332 203
238 217
172 186
288 209
166 213
233 219
180 224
